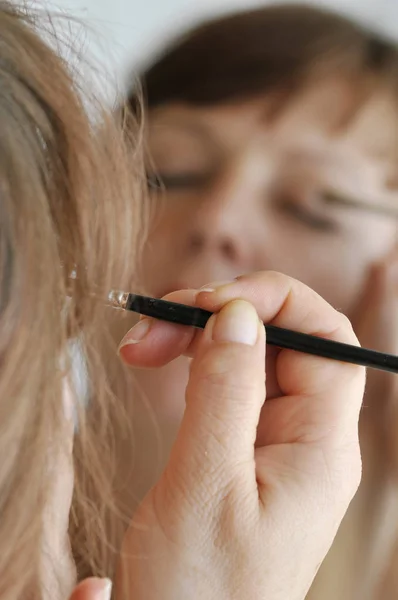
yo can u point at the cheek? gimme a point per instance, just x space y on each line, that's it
340 283
161 258
325 270
169 216
338 268
335 265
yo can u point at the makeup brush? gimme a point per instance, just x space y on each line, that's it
276 336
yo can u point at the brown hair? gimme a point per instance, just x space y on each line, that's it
276 48
67 179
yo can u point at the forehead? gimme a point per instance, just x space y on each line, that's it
329 110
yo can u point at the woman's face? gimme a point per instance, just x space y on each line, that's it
247 192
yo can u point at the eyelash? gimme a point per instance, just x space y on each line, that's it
184 181
177 182
305 217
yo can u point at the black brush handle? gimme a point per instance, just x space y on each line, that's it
276 336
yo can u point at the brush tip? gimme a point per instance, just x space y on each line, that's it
118 299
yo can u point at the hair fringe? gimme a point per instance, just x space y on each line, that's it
72 191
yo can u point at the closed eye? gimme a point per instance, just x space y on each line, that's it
346 201
306 216
177 181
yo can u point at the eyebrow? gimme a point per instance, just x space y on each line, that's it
184 124
332 197
200 131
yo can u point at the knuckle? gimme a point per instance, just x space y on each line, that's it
344 331
350 482
346 325
345 471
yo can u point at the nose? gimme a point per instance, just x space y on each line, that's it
226 220
218 241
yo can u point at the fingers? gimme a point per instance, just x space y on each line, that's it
92 589
158 343
322 398
279 299
285 302
224 397
302 379
154 343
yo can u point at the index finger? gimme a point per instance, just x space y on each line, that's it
320 398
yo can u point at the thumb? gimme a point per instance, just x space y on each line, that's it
92 588
225 393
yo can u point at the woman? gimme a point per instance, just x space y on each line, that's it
63 245
272 134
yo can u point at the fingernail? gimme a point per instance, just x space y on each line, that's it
237 322
105 591
211 287
136 334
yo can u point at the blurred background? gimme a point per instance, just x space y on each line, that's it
262 172
126 33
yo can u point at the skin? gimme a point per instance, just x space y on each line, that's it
253 199
249 486
249 483
92 589
245 192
